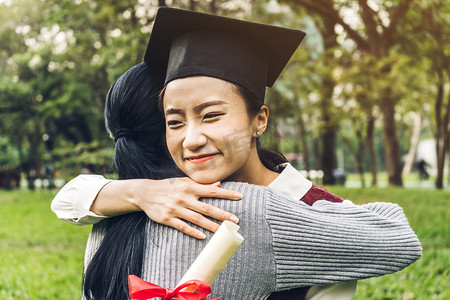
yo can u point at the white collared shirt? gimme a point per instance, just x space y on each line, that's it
291 183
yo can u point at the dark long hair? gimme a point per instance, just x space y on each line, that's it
132 118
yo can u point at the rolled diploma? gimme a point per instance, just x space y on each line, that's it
215 255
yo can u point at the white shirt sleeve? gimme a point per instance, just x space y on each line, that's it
73 202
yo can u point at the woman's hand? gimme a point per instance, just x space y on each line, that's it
170 202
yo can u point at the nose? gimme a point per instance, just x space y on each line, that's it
194 138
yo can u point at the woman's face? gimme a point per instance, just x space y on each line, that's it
209 133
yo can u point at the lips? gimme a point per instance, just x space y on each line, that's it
200 158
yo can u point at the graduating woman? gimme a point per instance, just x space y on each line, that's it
214 117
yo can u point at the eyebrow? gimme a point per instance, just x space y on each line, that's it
202 106
197 109
173 111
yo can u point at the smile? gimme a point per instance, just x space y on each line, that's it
200 158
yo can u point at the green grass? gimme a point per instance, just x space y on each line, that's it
410 180
42 257
428 213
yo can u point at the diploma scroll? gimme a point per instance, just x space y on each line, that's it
215 255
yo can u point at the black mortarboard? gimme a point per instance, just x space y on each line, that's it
187 43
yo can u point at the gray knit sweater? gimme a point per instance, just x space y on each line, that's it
288 244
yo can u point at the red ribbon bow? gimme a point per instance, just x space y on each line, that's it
140 289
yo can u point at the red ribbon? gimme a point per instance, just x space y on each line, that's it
140 289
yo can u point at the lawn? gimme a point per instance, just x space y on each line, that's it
428 213
42 257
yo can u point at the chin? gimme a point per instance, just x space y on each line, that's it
203 178
206 177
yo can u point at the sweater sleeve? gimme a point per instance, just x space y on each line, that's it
73 202
333 242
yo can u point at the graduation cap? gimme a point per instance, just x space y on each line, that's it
187 43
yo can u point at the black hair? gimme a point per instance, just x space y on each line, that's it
137 126
271 159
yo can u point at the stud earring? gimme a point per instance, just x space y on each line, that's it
257 132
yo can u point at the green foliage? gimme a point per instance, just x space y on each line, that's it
58 59
10 155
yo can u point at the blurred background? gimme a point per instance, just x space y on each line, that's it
366 95
364 102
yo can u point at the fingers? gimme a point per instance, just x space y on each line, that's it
185 228
207 190
199 220
193 217
211 211
214 191
177 204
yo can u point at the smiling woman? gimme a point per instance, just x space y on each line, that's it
211 139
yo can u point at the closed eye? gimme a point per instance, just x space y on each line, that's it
174 124
212 116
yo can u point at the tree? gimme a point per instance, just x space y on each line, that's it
437 51
58 60
308 76
376 35
429 24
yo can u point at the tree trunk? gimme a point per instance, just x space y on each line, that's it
439 183
359 166
316 151
304 144
360 155
448 166
392 147
213 7
442 134
192 5
372 153
328 155
34 139
358 152
438 133
329 131
409 161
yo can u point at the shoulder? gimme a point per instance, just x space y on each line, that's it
244 188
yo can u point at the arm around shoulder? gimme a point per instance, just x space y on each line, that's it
332 242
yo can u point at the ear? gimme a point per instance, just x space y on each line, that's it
260 121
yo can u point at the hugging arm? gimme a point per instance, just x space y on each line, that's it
88 199
332 242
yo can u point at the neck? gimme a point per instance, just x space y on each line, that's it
254 172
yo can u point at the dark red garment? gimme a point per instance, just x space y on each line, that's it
314 194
